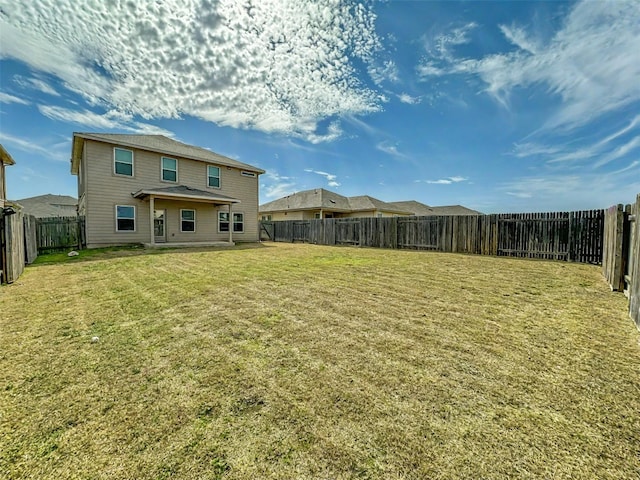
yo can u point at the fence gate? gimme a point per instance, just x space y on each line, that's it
534 235
267 228
348 231
420 233
301 231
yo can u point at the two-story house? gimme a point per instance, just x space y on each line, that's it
150 189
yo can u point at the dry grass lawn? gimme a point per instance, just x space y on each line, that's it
299 361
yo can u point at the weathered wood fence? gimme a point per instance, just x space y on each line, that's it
55 233
621 258
570 236
12 249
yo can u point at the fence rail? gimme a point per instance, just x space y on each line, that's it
571 236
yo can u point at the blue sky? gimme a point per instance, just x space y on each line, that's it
498 106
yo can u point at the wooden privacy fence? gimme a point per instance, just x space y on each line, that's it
60 232
570 236
621 257
12 247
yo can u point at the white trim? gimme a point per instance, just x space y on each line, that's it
182 220
133 168
162 169
219 177
134 219
231 222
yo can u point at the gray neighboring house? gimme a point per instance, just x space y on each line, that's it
321 203
49 205
421 210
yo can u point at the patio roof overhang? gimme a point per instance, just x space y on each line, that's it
181 192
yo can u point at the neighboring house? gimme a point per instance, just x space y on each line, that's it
151 189
49 206
421 210
5 159
321 203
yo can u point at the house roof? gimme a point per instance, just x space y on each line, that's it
49 206
319 198
154 143
183 192
315 199
5 158
365 202
422 210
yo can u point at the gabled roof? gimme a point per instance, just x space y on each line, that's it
422 210
319 198
315 199
154 143
49 205
365 202
5 158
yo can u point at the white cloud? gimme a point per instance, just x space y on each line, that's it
590 64
59 151
108 121
386 72
390 149
6 98
277 185
35 83
406 98
273 65
447 181
332 180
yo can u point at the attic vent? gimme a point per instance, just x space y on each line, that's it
244 173
332 201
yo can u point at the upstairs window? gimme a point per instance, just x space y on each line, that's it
187 220
213 176
125 218
223 222
123 162
169 169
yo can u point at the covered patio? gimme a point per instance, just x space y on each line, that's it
181 193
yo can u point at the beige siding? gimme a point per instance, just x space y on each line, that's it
295 215
105 190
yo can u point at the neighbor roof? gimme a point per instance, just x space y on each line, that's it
315 199
319 198
5 157
422 210
49 206
154 143
365 202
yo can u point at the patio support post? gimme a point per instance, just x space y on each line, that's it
151 218
230 225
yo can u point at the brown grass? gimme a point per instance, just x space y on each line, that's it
298 361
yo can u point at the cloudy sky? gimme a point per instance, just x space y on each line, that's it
498 106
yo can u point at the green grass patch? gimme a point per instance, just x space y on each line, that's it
299 361
93 253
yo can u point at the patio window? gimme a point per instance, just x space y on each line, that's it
213 176
169 169
223 222
187 220
123 162
125 218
